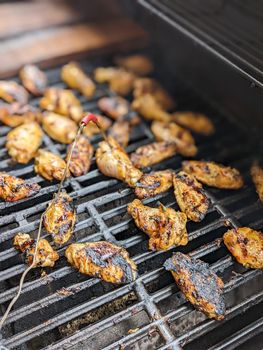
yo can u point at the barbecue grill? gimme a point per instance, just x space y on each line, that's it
62 309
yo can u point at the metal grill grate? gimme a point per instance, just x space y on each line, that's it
65 309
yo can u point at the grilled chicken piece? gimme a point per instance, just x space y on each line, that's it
196 122
11 92
138 64
33 79
92 128
113 161
59 128
152 153
246 245
257 177
171 132
50 165
190 196
150 86
63 102
24 141
81 156
60 218
165 226
154 183
200 285
150 109
104 260
46 256
13 188
15 114
212 174
120 131
73 75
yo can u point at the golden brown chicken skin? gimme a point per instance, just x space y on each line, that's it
59 128
103 260
92 128
165 226
60 218
246 245
73 75
138 64
11 92
23 142
154 183
196 122
150 86
63 102
200 285
171 132
33 79
120 131
49 165
190 196
81 156
152 153
15 114
212 174
257 177
13 188
150 109
113 161
46 256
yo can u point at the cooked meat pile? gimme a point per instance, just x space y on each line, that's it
11 92
212 174
116 108
120 131
46 256
196 122
81 156
23 142
257 177
60 218
190 196
15 114
13 188
150 109
200 285
59 128
50 165
33 79
165 226
75 78
246 245
104 260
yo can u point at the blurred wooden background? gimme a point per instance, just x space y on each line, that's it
52 31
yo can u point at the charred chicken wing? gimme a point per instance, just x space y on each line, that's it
171 132
11 92
13 188
212 174
154 183
152 153
165 226
81 156
92 128
144 86
59 128
50 165
120 131
138 64
24 141
63 102
113 161
257 177
60 218
200 285
150 109
194 121
103 260
76 78
46 256
33 79
190 196
246 245
15 114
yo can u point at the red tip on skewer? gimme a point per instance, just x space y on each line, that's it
88 118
